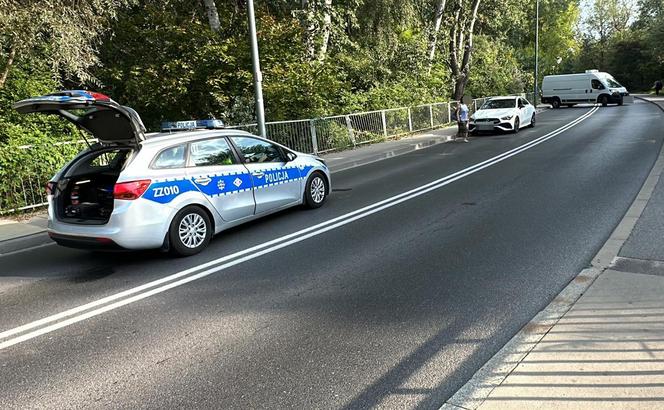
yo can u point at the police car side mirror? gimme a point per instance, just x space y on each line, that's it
290 156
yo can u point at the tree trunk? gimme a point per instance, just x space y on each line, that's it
310 29
8 66
462 71
460 86
327 27
438 19
213 15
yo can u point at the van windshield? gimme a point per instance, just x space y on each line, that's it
502 103
613 83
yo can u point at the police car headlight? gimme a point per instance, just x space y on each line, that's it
507 117
322 161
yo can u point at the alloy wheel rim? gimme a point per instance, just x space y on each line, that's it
192 230
317 190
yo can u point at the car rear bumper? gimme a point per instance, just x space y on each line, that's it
84 242
133 225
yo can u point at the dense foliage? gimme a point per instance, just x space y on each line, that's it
625 39
175 59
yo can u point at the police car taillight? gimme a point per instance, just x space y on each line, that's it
99 96
130 190
50 188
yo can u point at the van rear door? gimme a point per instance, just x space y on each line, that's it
96 113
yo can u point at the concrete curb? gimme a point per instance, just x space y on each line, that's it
651 102
496 370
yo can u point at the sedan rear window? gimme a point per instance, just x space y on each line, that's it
173 157
211 152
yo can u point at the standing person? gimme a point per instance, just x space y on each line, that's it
462 121
658 86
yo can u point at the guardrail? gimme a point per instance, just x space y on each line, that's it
25 189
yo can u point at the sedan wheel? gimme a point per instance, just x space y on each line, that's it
190 231
316 190
516 125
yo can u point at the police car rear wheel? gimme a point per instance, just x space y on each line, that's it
315 191
190 231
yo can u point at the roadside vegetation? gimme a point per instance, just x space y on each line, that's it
177 59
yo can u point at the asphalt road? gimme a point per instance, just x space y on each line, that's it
397 308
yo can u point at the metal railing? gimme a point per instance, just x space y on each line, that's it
25 189
324 134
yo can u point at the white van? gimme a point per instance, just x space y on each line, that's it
590 87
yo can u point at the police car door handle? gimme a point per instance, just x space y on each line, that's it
258 174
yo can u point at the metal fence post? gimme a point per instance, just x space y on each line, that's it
431 114
349 125
410 121
449 112
314 138
384 121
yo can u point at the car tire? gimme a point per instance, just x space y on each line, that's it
315 190
555 103
516 125
190 231
532 122
604 100
620 101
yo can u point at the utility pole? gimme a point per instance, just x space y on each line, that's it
536 51
258 76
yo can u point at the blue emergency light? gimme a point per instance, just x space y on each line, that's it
209 124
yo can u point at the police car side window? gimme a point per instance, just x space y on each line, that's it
211 152
257 151
173 157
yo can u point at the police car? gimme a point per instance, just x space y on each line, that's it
170 190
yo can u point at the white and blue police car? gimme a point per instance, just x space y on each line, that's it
170 190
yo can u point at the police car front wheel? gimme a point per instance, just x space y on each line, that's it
190 231
315 191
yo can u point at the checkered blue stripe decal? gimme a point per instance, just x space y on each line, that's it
214 185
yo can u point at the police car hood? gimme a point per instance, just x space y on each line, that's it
96 113
493 113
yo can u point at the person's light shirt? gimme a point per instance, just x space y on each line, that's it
463 112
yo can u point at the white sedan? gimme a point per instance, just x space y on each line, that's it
503 114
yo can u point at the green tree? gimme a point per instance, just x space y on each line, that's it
64 33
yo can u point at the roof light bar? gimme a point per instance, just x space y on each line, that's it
209 124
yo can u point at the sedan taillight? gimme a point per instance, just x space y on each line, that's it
130 190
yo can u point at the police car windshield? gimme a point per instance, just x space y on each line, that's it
501 103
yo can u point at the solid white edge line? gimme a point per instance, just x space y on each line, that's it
345 219
32 248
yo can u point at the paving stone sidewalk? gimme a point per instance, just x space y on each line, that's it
607 351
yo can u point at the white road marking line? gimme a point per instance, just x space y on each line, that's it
26 249
258 250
